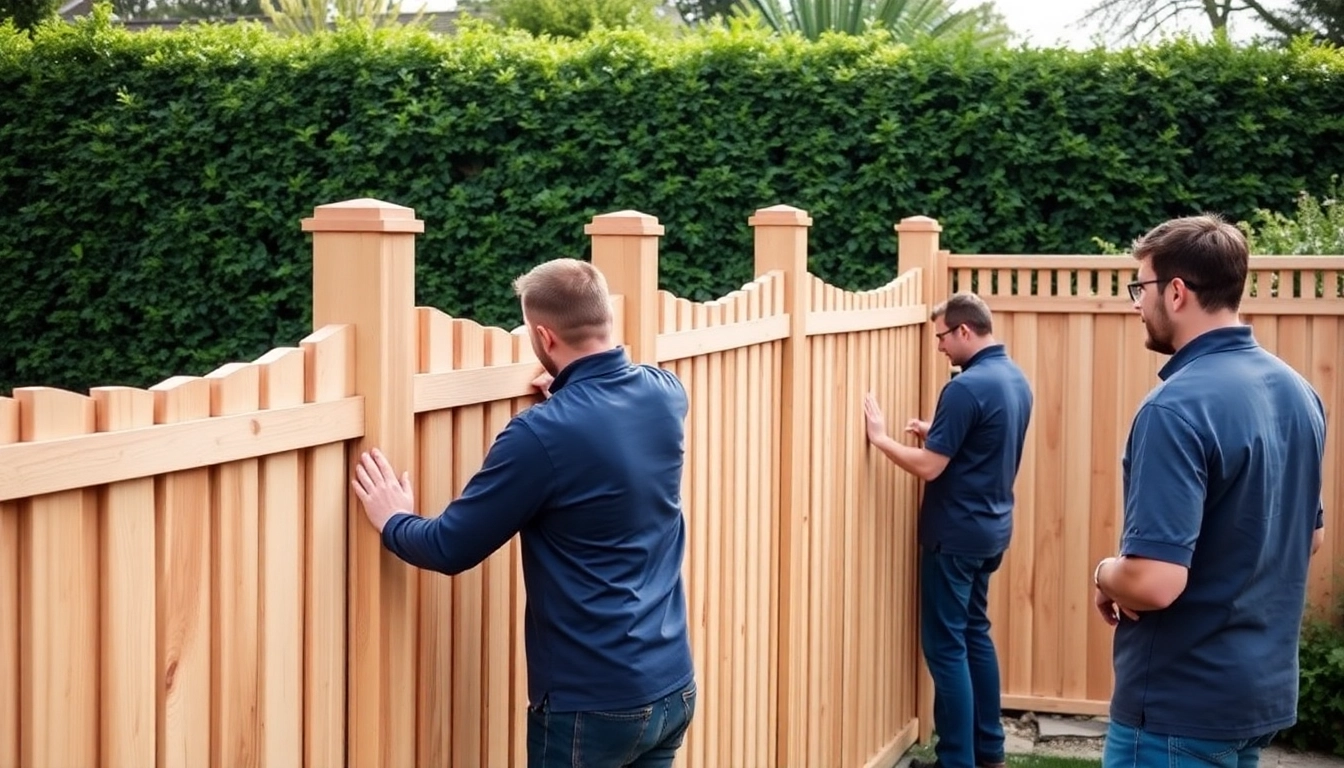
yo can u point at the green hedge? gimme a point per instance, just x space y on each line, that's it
152 183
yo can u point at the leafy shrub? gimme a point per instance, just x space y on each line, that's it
1317 226
153 182
1320 705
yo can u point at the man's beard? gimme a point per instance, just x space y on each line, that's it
1159 332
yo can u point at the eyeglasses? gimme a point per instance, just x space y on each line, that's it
1136 287
949 330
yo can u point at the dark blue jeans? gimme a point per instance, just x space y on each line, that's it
643 737
1129 747
954 627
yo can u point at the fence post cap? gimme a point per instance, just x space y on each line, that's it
918 224
363 215
624 223
780 216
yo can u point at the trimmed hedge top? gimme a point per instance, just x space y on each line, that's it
153 182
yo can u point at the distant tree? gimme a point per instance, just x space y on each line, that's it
696 11
574 18
27 13
213 9
1322 19
306 17
905 19
1129 20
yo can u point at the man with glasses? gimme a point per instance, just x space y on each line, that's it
970 458
1222 513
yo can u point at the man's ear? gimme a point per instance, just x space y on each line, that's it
547 336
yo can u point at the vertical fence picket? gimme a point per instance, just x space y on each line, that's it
127 595
58 614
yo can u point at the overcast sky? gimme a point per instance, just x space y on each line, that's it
1051 22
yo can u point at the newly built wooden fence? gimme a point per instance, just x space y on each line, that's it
186 580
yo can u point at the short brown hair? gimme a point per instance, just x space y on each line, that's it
569 297
966 309
1206 252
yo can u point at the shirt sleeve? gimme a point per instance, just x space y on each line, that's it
952 420
1164 500
498 501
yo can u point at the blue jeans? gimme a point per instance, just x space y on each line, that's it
954 627
1128 747
643 737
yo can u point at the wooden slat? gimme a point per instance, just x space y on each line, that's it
1056 704
470 440
1096 262
58 613
109 457
184 565
498 577
891 752
852 320
1045 304
435 486
329 356
128 596
282 529
9 602
234 389
683 344
473 386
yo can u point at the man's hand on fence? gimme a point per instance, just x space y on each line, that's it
543 384
875 422
918 428
379 490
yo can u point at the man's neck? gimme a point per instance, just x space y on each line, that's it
565 357
1202 323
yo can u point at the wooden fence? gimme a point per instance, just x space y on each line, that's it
186 580
1069 322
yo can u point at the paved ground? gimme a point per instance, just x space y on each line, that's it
1084 738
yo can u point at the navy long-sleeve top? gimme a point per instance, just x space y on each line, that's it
591 478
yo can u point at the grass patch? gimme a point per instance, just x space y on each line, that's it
1050 761
925 752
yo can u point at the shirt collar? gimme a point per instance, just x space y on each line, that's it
1208 343
993 350
591 366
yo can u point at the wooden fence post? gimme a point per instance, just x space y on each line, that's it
781 244
917 248
625 250
364 276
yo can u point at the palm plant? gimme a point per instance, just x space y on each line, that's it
906 20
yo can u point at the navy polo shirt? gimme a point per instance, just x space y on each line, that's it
980 424
592 480
1222 475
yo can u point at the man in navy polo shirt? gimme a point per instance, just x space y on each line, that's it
592 479
969 461
1222 492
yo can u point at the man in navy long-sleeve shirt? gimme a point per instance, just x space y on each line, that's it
591 478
